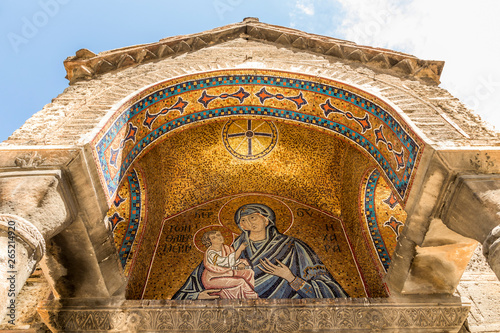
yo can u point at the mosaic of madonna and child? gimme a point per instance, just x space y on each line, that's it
261 262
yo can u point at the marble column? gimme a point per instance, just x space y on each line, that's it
32 210
22 246
473 210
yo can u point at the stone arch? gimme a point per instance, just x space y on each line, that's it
85 112
365 120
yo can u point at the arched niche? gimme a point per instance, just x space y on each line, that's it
333 156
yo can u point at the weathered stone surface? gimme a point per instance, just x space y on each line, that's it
34 291
22 247
491 250
433 109
477 198
37 198
439 262
115 315
481 288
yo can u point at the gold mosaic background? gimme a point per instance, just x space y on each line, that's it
124 210
190 176
385 212
314 100
176 256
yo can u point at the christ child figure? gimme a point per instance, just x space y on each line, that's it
224 270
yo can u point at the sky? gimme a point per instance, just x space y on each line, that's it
37 35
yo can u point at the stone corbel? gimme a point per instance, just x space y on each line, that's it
439 261
473 210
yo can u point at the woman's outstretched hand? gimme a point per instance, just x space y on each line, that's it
278 270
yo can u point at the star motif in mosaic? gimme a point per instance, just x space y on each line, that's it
240 95
364 122
391 201
113 158
118 200
379 137
115 219
394 225
180 105
328 108
132 131
299 100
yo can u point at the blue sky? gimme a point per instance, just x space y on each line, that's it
37 35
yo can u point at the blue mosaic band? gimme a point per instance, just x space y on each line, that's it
371 219
405 159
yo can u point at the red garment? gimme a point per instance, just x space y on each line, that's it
234 283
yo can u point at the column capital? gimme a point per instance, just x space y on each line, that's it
26 231
40 196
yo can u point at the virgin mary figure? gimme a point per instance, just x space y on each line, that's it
284 267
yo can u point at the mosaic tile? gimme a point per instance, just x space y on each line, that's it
362 119
383 216
127 217
192 171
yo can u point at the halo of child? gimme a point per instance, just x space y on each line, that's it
228 235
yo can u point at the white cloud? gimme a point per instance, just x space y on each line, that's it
459 32
306 7
301 12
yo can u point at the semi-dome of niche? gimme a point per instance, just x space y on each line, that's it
254 142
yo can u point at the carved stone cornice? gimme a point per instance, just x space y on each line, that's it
26 231
86 64
325 315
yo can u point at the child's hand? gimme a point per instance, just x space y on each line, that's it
243 246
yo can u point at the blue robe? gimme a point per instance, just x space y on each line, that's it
312 278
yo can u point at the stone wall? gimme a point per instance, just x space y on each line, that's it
34 291
74 117
480 286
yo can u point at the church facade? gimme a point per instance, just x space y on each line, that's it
251 178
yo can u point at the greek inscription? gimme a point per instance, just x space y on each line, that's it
180 228
178 239
177 248
301 212
330 241
330 238
203 214
332 248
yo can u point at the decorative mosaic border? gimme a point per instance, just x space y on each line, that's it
373 215
136 129
133 217
371 220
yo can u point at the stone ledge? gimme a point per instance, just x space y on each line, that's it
327 315
86 64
